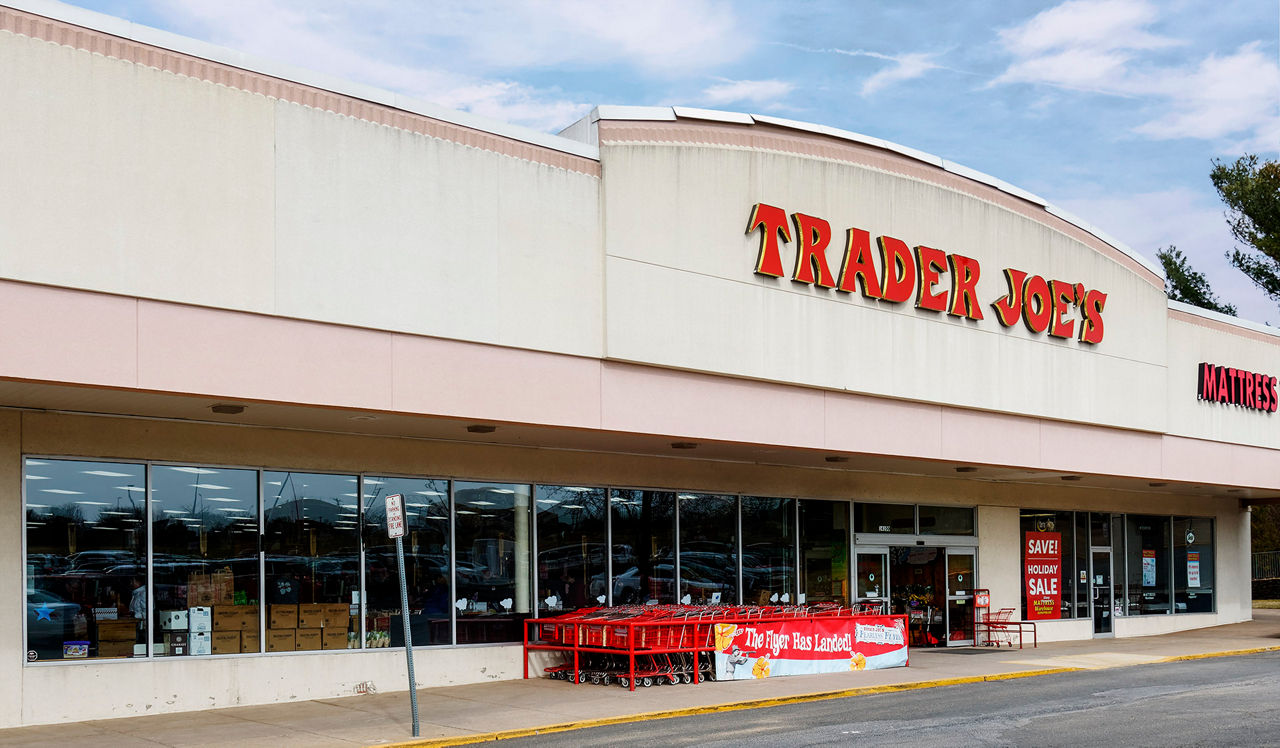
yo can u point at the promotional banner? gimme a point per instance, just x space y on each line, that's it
1148 568
809 645
1193 568
1043 575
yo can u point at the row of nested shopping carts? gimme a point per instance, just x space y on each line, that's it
647 645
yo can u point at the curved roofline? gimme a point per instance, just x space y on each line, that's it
671 114
185 45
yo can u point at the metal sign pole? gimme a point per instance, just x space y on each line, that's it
408 635
395 528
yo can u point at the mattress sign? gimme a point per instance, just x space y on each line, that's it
1247 389
1044 306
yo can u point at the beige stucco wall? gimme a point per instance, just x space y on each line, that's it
126 178
682 291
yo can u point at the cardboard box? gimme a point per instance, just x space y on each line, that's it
249 617
283 617
337 616
311 616
308 639
206 590
250 642
118 631
201 643
115 648
226 642
176 643
235 617
333 638
173 620
280 640
199 619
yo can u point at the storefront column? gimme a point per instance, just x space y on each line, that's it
11 528
999 549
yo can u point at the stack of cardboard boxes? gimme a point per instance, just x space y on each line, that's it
235 629
117 637
294 628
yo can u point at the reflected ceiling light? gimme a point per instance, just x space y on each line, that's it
222 499
274 483
176 511
107 473
688 495
481 428
1070 477
37 462
481 503
464 511
373 482
192 470
138 489
211 486
684 445
572 506
416 504
501 490
37 506
428 493
578 489
540 501
227 409
231 509
38 477
94 503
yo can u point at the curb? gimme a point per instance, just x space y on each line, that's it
726 707
1227 653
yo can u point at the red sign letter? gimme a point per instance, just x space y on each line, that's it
1009 309
964 281
929 263
814 234
858 265
899 269
774 222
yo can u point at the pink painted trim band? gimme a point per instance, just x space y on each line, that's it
97 42
769 137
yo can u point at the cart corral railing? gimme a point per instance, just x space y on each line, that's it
648 645
1266 565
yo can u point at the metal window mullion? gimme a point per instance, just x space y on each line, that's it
675 576
795 560
151 588
608 544
453 570
361 610
536 603
262 565
740 545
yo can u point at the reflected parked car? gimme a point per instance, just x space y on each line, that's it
52 621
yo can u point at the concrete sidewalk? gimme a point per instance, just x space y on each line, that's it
461 711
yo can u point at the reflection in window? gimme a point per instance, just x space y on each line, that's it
492 536
643 546
768 550
708 549
86 592
894 518
1193 565
946 520
572 547
426 563
312 548
205 554
824 550
1147 550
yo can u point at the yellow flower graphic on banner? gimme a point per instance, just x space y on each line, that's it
724 635
858 661
761 669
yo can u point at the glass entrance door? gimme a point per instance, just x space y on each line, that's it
873 578
960 583
1100 591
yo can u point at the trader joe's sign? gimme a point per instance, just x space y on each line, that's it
1043 574
809 645
941 282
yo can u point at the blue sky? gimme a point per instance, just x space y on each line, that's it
1111 109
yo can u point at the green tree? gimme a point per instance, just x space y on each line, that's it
1183 283
1251 190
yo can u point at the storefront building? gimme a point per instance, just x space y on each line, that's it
669 355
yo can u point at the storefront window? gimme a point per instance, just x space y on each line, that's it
768 550
708 549
204 524
426 563
1049 570
643 546
1147 553
86 594
491 533
946 520
312 544
880 518
824 550
1193 572
572 547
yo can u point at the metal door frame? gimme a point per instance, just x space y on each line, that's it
948 597
1111 585
872 550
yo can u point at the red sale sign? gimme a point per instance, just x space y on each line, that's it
814 645
1043 575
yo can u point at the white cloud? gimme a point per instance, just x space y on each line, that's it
767 93
906 67
1192 221
1104 46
